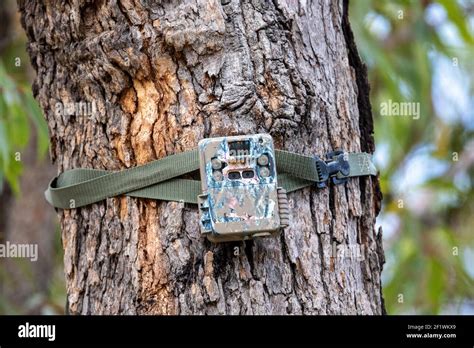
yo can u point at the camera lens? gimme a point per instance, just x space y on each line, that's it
234 175
217 175
264 172
262 160
248 174
216 164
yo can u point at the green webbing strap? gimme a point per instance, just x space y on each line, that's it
180 190
303 167
304 173
79 187
156 180
300 166
361 164
291 183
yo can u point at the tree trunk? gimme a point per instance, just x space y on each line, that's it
164 75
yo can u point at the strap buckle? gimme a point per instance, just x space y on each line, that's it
336 162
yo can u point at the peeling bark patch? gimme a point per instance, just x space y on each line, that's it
144 120
209 281
270 94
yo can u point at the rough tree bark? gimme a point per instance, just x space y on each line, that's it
163 75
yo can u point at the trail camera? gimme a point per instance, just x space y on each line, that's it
241 198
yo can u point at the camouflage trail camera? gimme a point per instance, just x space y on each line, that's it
241 198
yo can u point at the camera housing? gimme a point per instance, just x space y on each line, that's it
241 198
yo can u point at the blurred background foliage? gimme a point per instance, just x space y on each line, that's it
18 109
423 52
415 51
25 287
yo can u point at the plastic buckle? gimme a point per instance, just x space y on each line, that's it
336 162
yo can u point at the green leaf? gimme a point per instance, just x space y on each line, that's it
4 146
458 18
36 116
